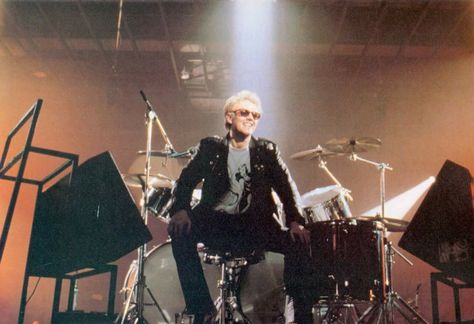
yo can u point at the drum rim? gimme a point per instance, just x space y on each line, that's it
156 247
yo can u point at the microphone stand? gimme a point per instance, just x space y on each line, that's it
154 117
140 286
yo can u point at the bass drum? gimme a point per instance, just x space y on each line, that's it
262 290
346 255
261 287
162 280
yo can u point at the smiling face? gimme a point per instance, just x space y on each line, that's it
243 118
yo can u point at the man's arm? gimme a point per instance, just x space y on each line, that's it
284 186
287 191
191 175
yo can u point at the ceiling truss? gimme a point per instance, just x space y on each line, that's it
177 35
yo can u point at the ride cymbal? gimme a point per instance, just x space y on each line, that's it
352 145
313 154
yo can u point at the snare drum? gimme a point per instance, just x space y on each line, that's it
347 259
323 204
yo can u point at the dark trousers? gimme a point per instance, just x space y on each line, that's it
240 234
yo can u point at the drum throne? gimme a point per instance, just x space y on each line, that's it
233 267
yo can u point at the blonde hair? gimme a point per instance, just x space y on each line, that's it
244 95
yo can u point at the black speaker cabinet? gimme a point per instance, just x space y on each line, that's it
94 220
442 229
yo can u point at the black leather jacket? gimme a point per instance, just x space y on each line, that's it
268 171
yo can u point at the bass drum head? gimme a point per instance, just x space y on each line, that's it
162 280
262 293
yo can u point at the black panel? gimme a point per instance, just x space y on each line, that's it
442 230
91 222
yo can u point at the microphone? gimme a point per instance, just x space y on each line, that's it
189 152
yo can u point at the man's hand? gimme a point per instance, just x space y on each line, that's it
180 224
298 231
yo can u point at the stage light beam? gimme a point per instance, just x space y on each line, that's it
399 206
252 59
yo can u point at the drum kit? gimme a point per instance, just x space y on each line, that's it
352 255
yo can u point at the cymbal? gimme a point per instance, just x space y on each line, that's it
170 168
168 154
392 224
312 154
156 180
352 145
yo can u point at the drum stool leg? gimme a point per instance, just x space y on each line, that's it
228 285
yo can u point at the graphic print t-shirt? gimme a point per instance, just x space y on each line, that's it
237 199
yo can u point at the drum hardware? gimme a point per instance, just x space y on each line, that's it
327 311
323 165
381 167
382 310
140 285
391 224
168 153
232 269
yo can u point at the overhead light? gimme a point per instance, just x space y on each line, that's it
185 74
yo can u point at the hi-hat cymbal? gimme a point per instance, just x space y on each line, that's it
156 180
352 145
392 224
312 154
159 165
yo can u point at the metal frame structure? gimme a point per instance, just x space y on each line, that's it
21 158
163 33
456 286
72 295
71 161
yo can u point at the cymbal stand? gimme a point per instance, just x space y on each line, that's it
383 312
323 165
140 281
381 167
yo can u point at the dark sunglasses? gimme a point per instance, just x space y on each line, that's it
245 113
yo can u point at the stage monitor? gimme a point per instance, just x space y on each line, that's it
91 222
442 229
